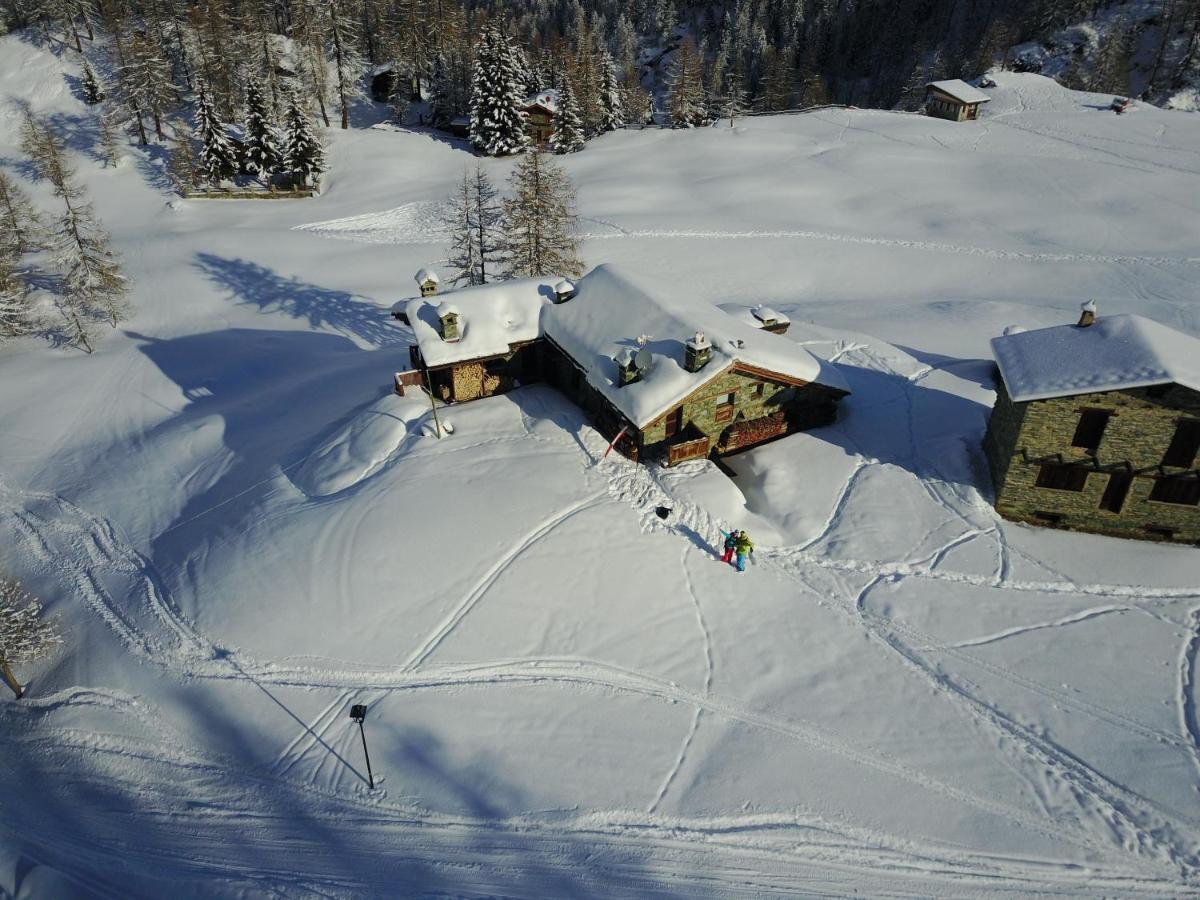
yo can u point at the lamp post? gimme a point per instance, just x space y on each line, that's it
358 712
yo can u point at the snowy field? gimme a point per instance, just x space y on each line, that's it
244 533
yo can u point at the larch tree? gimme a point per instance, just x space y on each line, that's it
16 312
302 152
568 124
309 33
685 92
93 286
21 228
473 217
348 64
541 226
110 137
218 158
146 75
262 155
25 634
497 116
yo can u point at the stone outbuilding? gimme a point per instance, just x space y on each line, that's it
1096 428
954 100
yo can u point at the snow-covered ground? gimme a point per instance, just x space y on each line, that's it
244 533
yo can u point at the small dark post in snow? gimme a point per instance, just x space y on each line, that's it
662 511
358 712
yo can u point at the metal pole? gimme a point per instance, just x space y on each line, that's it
433 403
363 734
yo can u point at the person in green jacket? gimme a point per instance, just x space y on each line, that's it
744 548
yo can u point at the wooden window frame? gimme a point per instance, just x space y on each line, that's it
677 415
725 406
1062 477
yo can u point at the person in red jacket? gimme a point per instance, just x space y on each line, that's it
731 539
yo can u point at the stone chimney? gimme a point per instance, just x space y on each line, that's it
563 291
427 280
449 319
627 369
1087 316
696 352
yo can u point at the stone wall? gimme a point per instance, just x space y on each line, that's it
1021 436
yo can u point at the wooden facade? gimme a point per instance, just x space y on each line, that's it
1120 462
942 105
539 123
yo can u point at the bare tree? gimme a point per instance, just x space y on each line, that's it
541 226
25 636
21 228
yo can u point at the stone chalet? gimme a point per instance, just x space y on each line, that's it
1096 428
661 378
954 100
540 112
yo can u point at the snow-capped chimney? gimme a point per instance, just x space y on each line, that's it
449 320
563 291
627 370
1088 314
427 280
696 352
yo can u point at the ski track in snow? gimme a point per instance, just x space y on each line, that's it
1189 723
394 226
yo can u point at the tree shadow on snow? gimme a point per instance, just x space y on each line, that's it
255 285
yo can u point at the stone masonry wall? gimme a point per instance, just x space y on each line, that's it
1138 432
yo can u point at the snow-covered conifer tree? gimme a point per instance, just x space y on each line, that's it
302 152
541 226
146 76
568 125
90 86
218 158
348 64
25 636
110 137
612 113
497 119
262 156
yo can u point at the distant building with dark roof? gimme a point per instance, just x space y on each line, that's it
1096 428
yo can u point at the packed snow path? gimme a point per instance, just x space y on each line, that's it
245 534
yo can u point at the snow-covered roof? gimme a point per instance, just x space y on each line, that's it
757 316
447 308
960 91
611 308
1115 353
547 99
492 317
424 275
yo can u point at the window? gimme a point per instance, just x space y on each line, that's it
1050 518
674 421
1159 531
1185 443
1116 491
725 406
1062 478
1184 491
759 390
1090 429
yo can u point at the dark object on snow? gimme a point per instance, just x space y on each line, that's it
1120 104
986 82
662 512
358 712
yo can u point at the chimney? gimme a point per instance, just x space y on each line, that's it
696 352
563 291
448 318
1088 315
766 316
427 280
627 370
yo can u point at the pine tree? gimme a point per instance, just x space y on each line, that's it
90 86
540 222
182 164
262 156
110 138
734 99
685 94
612 112
21 228
303 154
497 119
568 126
25 636
218 159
